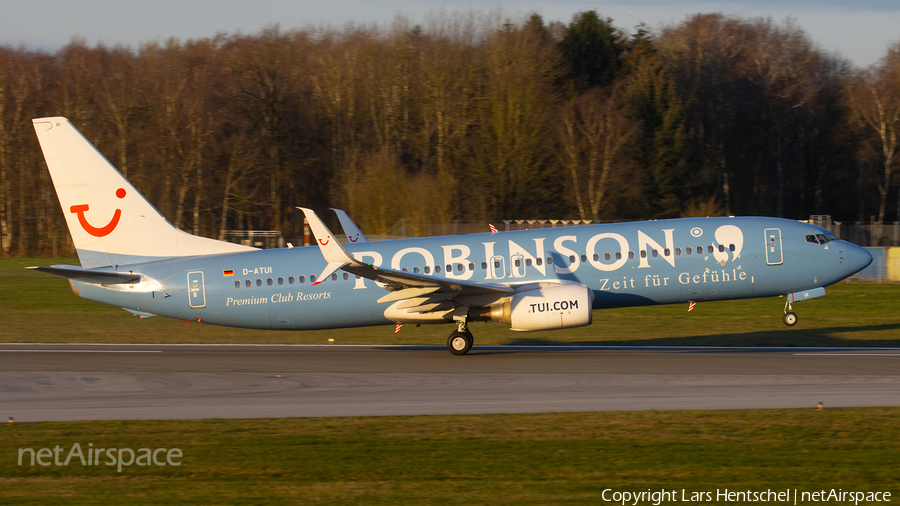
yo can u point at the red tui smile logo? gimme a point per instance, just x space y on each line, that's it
326 241
95 231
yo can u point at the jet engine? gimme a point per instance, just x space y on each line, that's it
557 306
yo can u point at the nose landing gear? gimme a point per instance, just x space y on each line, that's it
790 317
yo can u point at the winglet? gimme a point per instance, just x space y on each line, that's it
334 253
350 229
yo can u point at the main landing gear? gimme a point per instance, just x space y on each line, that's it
790 317
460 340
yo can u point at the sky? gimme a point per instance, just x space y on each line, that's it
860 32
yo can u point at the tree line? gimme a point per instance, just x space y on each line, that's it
469 117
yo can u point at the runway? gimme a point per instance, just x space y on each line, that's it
115 382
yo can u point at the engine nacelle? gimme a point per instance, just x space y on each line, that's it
558 306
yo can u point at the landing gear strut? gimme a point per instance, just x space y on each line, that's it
790 317
460 340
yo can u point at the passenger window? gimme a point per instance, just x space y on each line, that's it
404 269
415 270
258 282
484 266
301 279
460 268
549 260
631 255
688 250
584 258
678 252
597 257
280 280
667 252
248 283
290 280
643 253
312 278
655 253
334 277
700 250
607 256
721 248
518 263
618 255
496 264
427 269
571 259
709 249
731 247
270 281
471 266
346 276
437 269
539 261
449 268
237 284
527 262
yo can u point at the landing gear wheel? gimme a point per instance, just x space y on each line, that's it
790 318
459 343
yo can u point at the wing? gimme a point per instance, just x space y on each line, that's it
413 294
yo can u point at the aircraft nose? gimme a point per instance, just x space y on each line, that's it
857 258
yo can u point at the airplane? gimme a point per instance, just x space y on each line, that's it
531 280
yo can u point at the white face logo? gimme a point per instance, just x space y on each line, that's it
727 235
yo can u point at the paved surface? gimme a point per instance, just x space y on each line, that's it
100 382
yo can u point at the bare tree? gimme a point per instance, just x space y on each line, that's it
594 130
334 76
14 91
875 98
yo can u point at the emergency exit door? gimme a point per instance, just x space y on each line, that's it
774 255
196 289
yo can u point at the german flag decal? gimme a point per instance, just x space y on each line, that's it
228 273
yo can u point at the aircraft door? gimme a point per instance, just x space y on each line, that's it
196 290
517 266
498 267
774 254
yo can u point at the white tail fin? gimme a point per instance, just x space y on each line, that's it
110 222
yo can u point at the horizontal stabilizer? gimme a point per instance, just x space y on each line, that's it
89 275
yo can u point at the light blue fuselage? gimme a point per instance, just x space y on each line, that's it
737 258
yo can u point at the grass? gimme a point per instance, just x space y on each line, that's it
567 458
39 307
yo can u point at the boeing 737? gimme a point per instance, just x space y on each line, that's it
532 280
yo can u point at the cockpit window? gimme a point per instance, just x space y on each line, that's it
821 238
